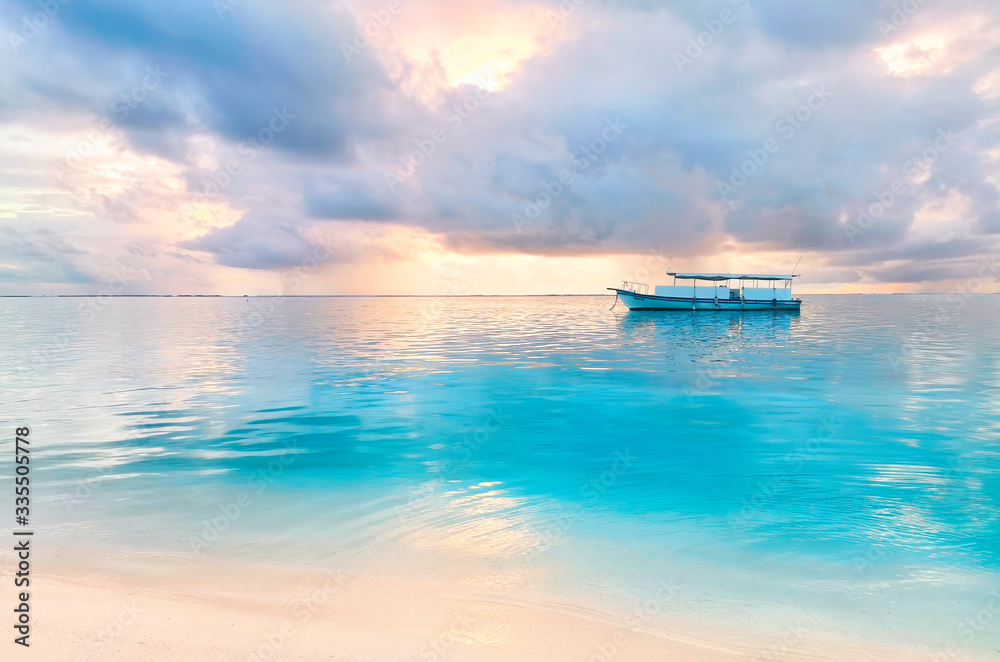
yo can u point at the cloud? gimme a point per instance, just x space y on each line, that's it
40 256
223 75
812 25
687 131
256 242
597 142
262 243
349 198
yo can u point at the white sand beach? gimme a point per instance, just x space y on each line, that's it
210 612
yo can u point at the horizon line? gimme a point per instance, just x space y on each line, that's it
421 296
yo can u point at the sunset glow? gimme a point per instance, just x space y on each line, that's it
407 140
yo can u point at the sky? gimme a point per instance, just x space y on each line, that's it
496 146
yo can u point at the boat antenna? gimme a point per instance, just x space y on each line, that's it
796 265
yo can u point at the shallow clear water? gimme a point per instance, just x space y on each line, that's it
841 463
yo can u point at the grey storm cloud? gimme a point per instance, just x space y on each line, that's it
226 74
255 243
348 198
259 241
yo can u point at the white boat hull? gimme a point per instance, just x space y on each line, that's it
651 302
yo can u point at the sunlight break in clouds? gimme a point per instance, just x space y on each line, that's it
480 44
950 44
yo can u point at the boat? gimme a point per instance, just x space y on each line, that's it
751 292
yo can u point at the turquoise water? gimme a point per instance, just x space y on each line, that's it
841 463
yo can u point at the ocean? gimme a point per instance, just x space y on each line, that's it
835 469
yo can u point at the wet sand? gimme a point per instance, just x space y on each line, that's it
179 611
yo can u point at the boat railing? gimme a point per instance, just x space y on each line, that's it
637 288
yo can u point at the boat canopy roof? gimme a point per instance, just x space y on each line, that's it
732 276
